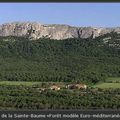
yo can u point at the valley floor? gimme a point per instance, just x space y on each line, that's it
29 95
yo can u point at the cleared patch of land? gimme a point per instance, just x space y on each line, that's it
18 83
113 79
28 83
111 82
108 85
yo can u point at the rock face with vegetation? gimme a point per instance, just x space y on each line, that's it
34 30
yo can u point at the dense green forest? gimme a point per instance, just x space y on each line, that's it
84 60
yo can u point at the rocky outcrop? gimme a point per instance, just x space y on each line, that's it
34 30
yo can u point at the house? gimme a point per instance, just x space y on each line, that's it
71 86
81 86
76 86
41 89
55 87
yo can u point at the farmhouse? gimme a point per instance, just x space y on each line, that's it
71 86
55 87
81 86
41 89
76 86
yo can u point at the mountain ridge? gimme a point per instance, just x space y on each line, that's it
36 30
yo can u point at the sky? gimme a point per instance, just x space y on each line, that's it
75 14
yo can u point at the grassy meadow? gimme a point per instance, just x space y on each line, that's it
111 82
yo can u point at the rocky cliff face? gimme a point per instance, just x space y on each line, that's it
34 30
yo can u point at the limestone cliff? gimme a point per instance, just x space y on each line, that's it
34 30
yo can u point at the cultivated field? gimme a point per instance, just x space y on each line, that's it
24 83
113 82
18 83
108 85
113 79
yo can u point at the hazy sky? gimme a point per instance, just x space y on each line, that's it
77 14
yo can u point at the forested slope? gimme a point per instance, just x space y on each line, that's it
85 60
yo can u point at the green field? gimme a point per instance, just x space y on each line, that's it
18 83
29 83
108 85
113 79
111 82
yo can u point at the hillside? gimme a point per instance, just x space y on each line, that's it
40 64
85 60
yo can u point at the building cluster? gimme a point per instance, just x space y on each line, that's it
69 86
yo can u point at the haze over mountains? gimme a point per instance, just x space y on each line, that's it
35 30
